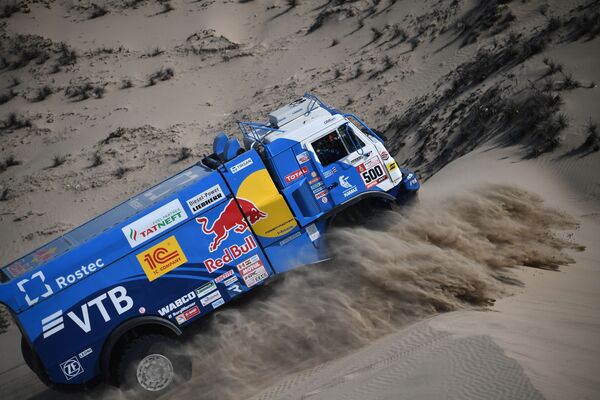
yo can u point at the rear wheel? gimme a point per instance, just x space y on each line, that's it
152 365
33 362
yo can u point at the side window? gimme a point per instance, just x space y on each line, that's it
352 141
329 148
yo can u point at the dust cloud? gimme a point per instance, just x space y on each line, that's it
435 257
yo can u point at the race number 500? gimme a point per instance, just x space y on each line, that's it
371 172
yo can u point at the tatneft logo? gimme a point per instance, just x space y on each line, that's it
118 297
162 258
154 223
42 280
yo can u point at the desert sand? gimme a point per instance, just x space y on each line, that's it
488 287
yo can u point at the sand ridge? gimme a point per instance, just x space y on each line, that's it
100 99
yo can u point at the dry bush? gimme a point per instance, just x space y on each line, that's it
85 91
161 75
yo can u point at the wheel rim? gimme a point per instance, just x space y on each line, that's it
155 372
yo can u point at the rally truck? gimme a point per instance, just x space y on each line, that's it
109 299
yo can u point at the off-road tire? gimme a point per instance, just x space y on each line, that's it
33 361
141 352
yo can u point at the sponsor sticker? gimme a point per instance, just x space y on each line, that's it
241 165
230 219
296 174
210 298
230 254
344 182
303 157
234 290
38 279
71 368
392 166
82 272
224 276
371 172
351 191
231 280
37 282
181 310
289 238
203 200
385 155
205 289
252 270
218 303
187 314
85 316
86 352
321 194
161 258
154 223
313 232
329 172
316 187
183 300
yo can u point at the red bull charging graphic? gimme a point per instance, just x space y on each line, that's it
230 219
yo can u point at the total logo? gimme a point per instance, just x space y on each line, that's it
230 254
296 174
118 297
231 219
36 284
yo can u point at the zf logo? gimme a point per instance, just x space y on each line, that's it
118 297
71 368
34 279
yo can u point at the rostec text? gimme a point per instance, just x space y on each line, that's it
83 271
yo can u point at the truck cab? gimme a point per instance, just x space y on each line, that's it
110 299
311 147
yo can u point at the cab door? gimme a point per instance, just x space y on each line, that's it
346 164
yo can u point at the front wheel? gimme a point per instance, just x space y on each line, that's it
152 365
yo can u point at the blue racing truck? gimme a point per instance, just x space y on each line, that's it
109 299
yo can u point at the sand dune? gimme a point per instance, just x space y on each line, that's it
494 103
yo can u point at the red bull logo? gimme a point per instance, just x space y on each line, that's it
230 254
231 219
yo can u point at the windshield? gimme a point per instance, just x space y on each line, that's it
109 219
